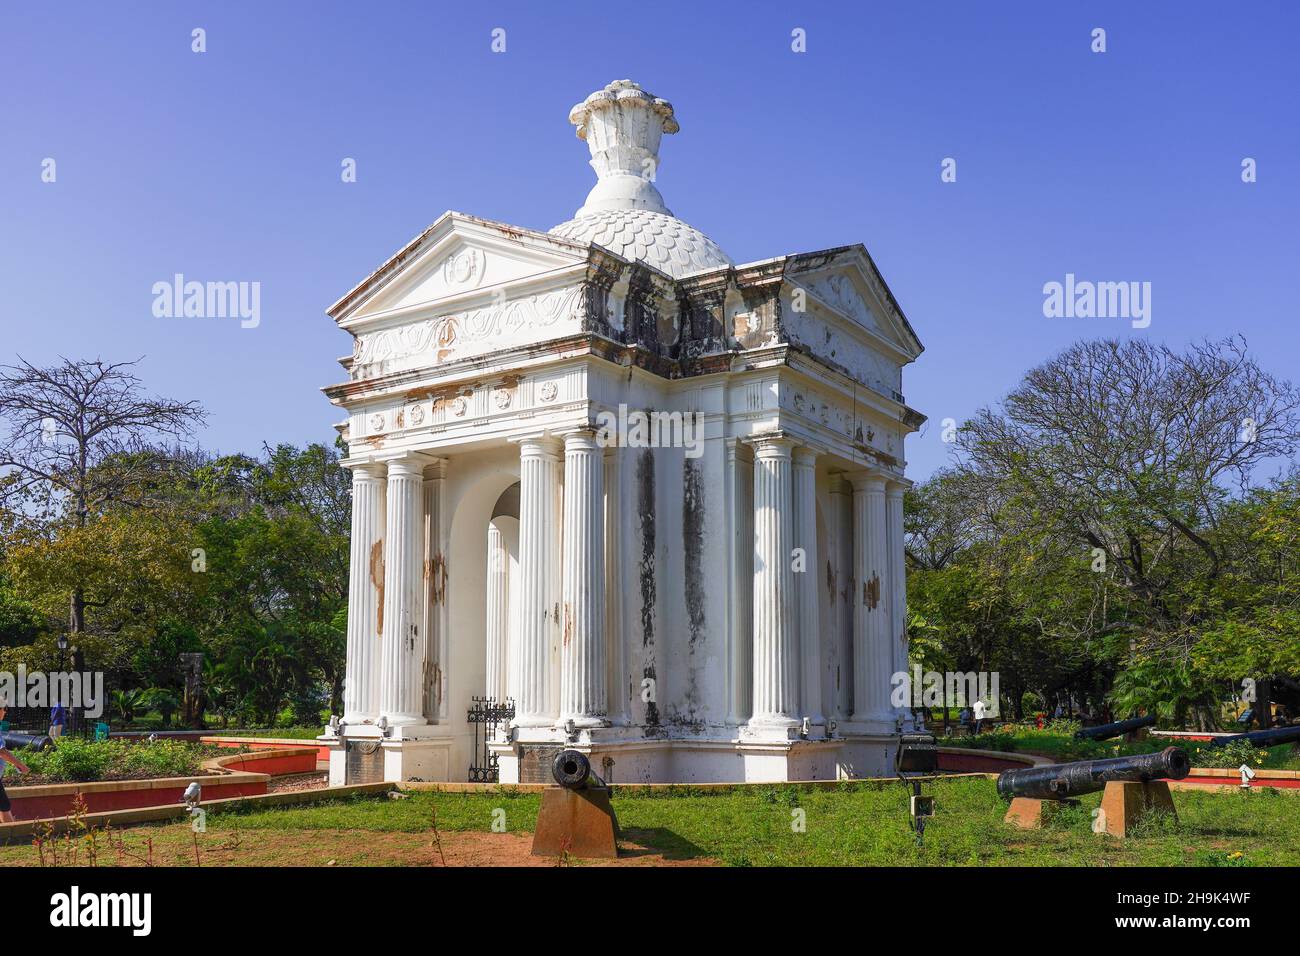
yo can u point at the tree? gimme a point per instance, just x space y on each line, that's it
1129 450
76 436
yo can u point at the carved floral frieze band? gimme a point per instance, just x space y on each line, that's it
477 330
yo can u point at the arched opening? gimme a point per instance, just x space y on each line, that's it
480 500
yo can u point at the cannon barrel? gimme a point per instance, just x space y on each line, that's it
13 741
1106 731
1060 781
572 770
1262 738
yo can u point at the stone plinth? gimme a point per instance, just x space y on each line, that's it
1125 803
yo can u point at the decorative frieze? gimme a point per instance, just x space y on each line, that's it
436 340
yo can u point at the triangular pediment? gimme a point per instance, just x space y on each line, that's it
847 282
455 262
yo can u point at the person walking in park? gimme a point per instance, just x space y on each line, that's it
58 717
6 808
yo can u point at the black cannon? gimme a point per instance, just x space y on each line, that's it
572 770
576 818
1106 731
1262 738
15 741
1065 780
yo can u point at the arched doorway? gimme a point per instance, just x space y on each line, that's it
481 502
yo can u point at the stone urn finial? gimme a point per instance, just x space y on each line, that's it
622 125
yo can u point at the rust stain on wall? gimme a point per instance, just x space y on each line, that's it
871 592
435 576
568 622
377 581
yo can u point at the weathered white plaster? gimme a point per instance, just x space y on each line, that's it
639 603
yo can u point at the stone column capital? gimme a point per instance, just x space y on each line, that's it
869 481
539 446
895 487
406 464
583 437
774 444
805 456
366 470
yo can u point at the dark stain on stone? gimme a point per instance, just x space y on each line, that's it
871 592
645 485
651 706
693 546
435 575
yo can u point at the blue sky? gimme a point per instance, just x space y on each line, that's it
226 166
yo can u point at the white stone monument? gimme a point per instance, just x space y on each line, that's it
651 496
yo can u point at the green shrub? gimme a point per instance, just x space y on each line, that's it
73 759
1231 755
76 760
162 758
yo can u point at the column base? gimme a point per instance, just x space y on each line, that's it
366 729
771 729
415 752
583 723
641 760
403 721
869 727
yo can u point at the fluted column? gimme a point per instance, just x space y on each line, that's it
401 668
740 582
806 584
582 654
616 687
872 644
841 670
365 594
433 690
539 516
897 581
776 664
498 612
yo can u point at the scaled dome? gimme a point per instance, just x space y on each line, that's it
658 240
624 212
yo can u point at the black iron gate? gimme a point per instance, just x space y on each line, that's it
486 714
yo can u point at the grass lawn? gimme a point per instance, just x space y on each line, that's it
281 733
858 824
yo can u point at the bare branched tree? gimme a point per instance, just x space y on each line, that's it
80 436
1133 448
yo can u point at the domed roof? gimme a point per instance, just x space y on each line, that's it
624 212
642 235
